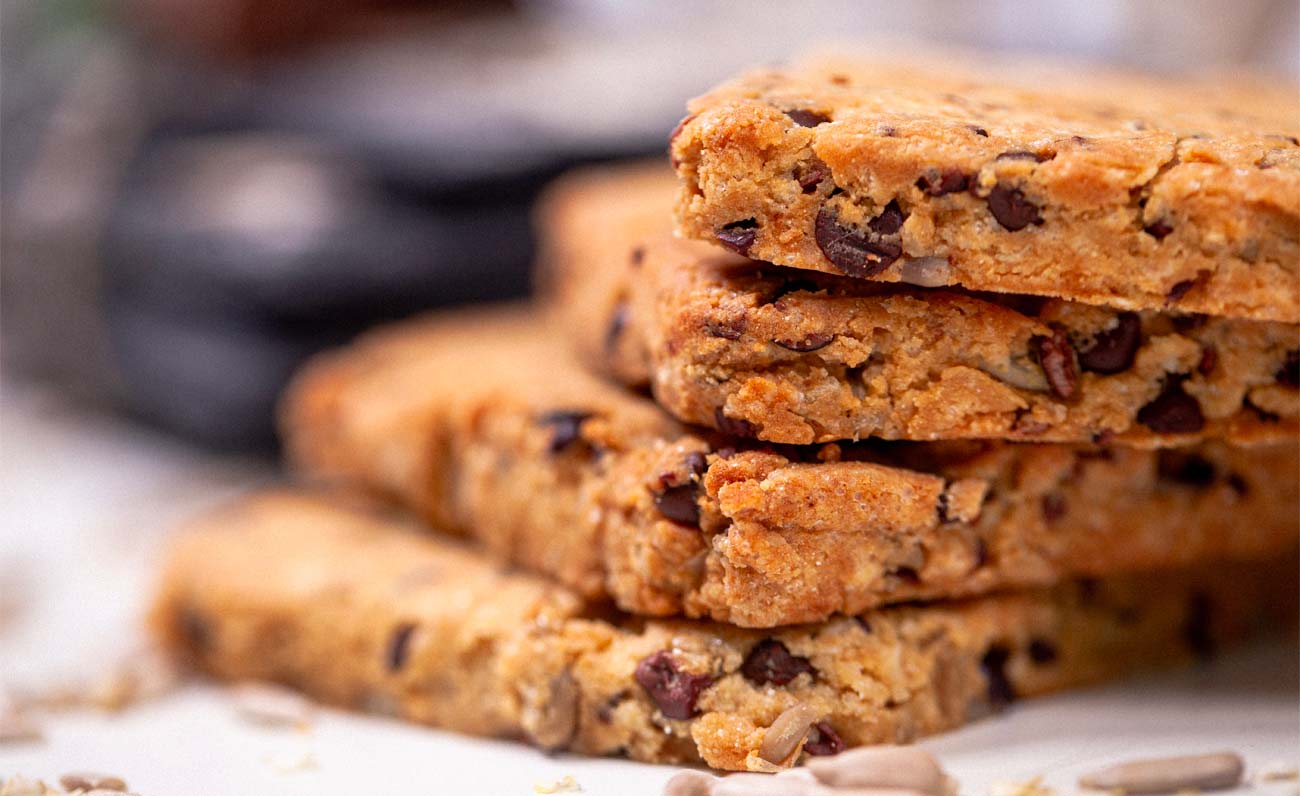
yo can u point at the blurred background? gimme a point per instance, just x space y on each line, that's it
194 196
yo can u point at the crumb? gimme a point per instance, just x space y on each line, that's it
566 784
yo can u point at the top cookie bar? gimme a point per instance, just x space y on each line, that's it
1129 193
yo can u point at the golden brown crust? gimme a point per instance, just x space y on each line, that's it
799 357
1119 191
485 425
362 611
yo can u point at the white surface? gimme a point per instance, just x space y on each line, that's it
86 501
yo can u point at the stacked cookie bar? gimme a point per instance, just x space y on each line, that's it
952 391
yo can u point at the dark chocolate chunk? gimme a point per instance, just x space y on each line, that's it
696 462
1042 651
855 253
823 741
890 220
812 175
399 646
605 711
1179 290
1113 350
637 256
1209 358
1185 468
770 662
678 503
1011 209
1158 229
994 666
732 425
1173 411
812 342
727 328
1053 506
673 691
739 236
793 285
940 183
566 427
981 553
1289 373
1197 626
807 118
980 131
863 623
1056 358
1238 484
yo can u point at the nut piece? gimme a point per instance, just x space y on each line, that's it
86 780
926 271
787 732
884 767
1169 774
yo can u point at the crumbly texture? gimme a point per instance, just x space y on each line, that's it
486 425
1120 191
361 611
800 357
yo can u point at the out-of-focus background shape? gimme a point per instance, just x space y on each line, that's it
197 195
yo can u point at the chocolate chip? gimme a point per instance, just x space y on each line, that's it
981 553
812 342
732 425
727 328
1012 210
672 690
823 741
1238 484
678 503
1042 651
1197 626
195 630
1179 290
994 666
1209 358
679 500
637 256
1289 373
1158 230
1185 468
855 253
890 220
605 711
980 131
1056 358
696 462
811 176
1020 154
1173 411
399 646
807 118
864 624
566 427
794 285
739 236
1053 506
770 662
940 183
617 323
1190 322
1113 350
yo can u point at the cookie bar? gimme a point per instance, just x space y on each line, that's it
485 425
360 611
1134 194
800 357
